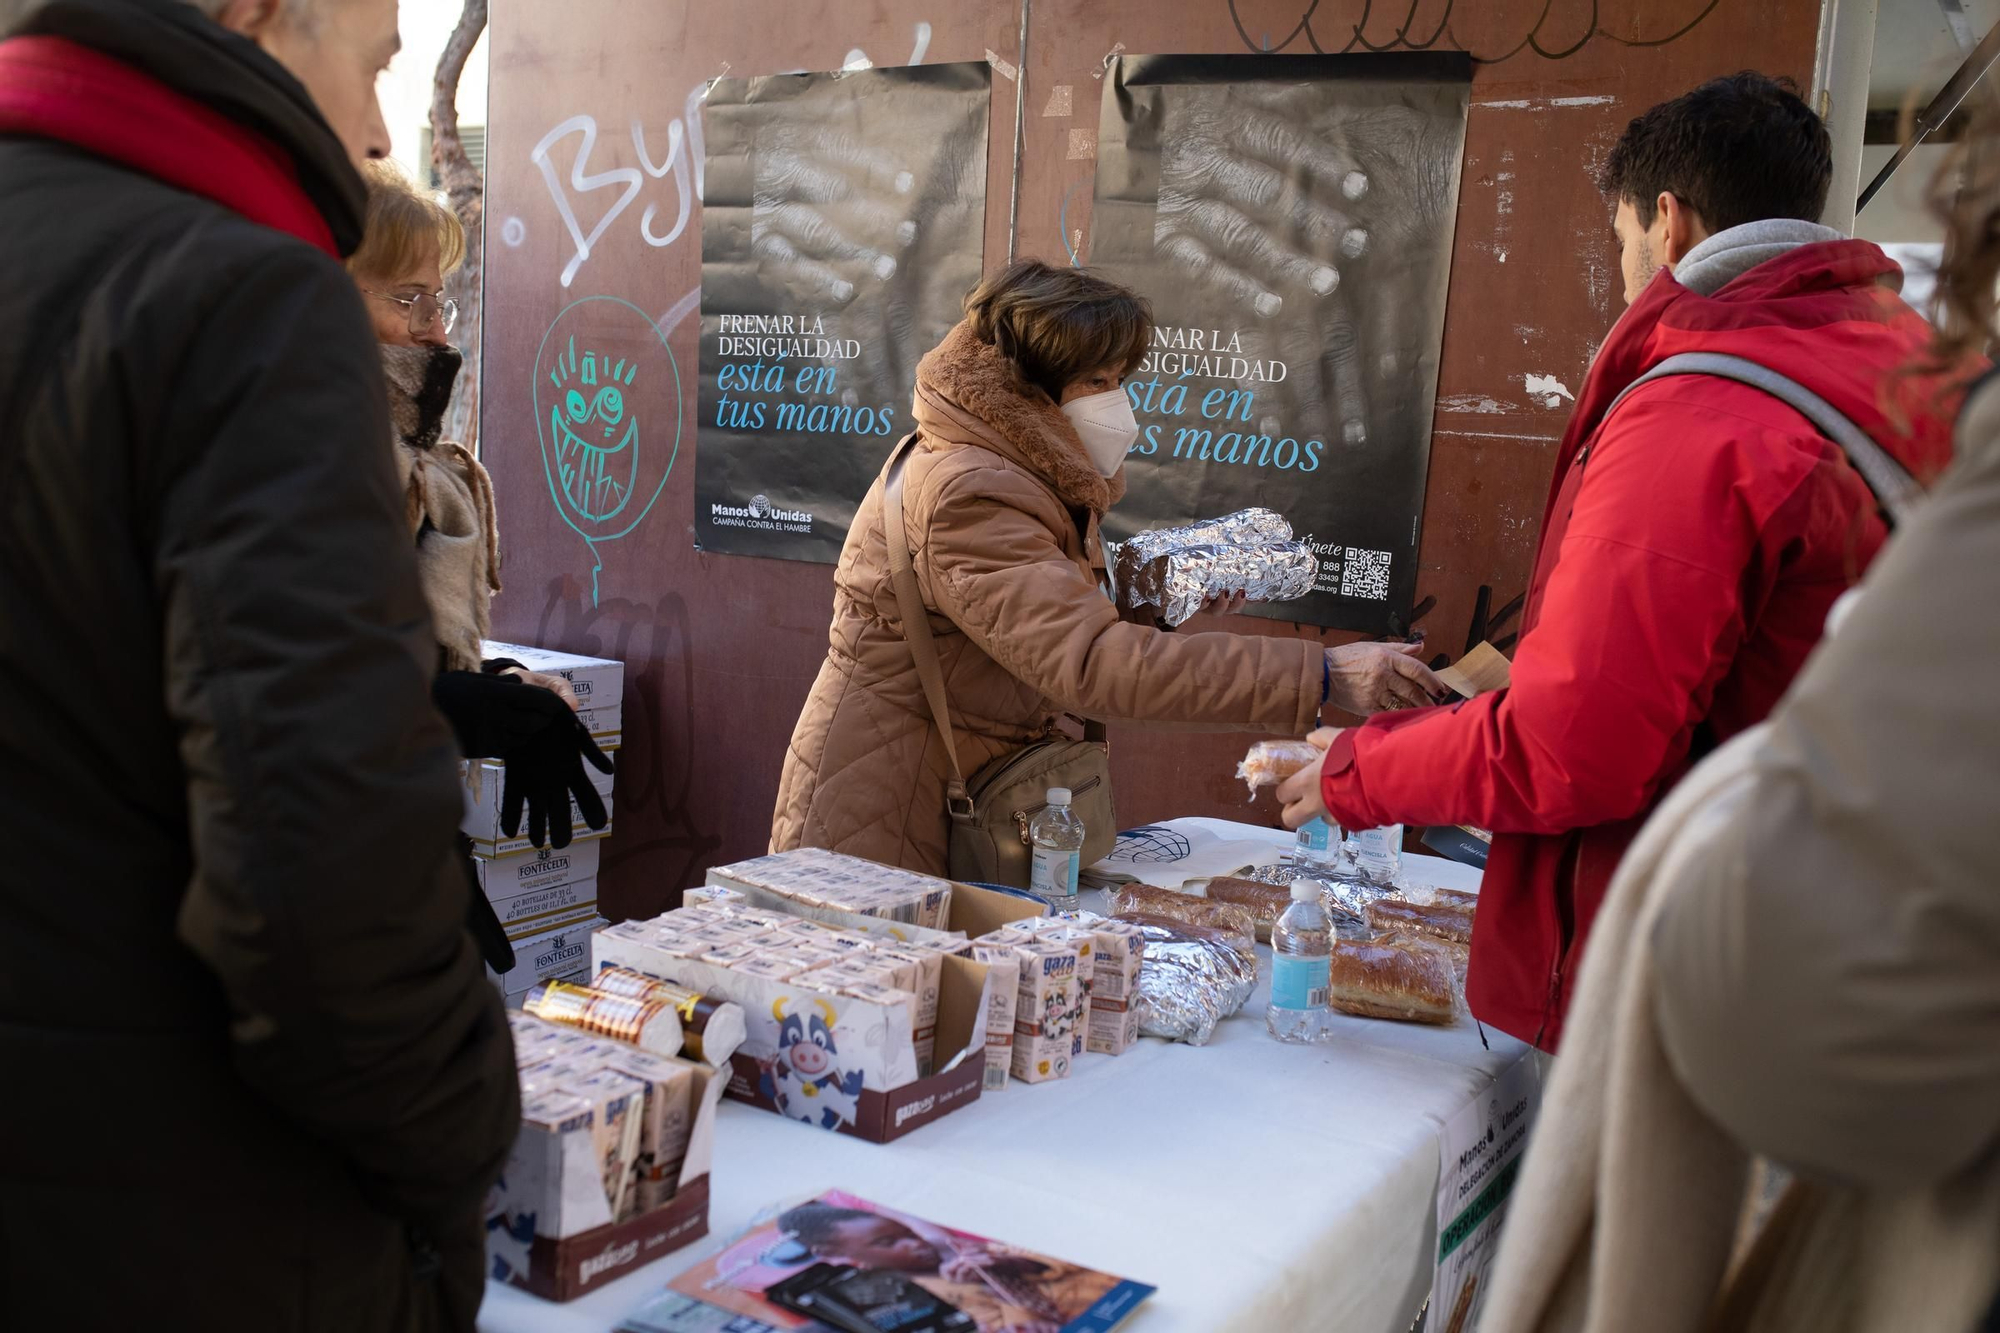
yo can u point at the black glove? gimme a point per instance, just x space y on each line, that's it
543 744
546 771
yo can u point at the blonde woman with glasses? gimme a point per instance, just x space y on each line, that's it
498 709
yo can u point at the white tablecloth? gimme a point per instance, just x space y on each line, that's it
1259 1186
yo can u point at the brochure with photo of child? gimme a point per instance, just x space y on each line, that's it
840 1264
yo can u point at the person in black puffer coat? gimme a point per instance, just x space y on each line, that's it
256 1078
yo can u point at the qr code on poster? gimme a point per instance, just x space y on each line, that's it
1365 574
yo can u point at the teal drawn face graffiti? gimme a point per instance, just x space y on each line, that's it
597 443
600 358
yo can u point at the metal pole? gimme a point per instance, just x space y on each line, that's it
1020 128
1840 95
1940 108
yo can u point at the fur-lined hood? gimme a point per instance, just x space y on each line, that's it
1021 423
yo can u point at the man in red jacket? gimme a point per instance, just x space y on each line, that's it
1693 543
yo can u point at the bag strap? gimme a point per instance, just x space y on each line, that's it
1896 491
917 624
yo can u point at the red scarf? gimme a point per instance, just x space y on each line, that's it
51 88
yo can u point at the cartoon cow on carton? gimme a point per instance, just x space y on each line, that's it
804 1079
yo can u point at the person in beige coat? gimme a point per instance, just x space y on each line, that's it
1022 429
1779 1111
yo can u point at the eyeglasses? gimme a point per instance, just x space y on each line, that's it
424 309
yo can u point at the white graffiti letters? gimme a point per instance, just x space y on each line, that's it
682 162
628 177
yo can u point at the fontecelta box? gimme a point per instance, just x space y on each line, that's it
484 787
503 877
539 909
605 725
598 682
559 953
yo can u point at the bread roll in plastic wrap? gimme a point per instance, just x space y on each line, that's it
1266 901
1186 908
1272 762
1445 921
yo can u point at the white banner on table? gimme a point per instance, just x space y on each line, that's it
1479 1152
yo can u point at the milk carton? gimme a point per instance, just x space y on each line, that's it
1003 986
1046 1013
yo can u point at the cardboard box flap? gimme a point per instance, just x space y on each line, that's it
974 912
708 1089
961 1024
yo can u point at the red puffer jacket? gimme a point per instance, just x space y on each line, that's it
1691 548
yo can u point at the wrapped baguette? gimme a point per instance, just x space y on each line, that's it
1444 921
1267 902
1231 918
1271 762
1409 983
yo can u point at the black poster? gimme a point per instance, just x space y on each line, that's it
843 218
1290 217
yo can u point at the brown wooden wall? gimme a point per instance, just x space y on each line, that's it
721 650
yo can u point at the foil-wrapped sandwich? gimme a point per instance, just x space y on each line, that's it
1191 978
1178 571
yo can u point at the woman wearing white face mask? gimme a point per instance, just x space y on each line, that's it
1022 430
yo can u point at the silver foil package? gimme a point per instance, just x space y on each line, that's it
1245 526
1182 582
1189 981
1180 570
1345 900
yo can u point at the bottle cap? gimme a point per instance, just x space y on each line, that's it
1305 891
1059 796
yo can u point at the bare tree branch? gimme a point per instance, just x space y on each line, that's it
467 193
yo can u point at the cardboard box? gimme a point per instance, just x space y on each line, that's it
584 915
483 787
504 877
814 878
558 952
520 1247
882 1114
605 725
539 910
598 681
867 1045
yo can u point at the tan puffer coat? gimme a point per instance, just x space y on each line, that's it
1002 507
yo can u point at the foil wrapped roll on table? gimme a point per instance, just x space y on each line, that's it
1191 978
1180 570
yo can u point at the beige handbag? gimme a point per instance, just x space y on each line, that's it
990 815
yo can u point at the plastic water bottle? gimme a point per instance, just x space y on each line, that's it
1056 835
1378 853
1301 967
1319 848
